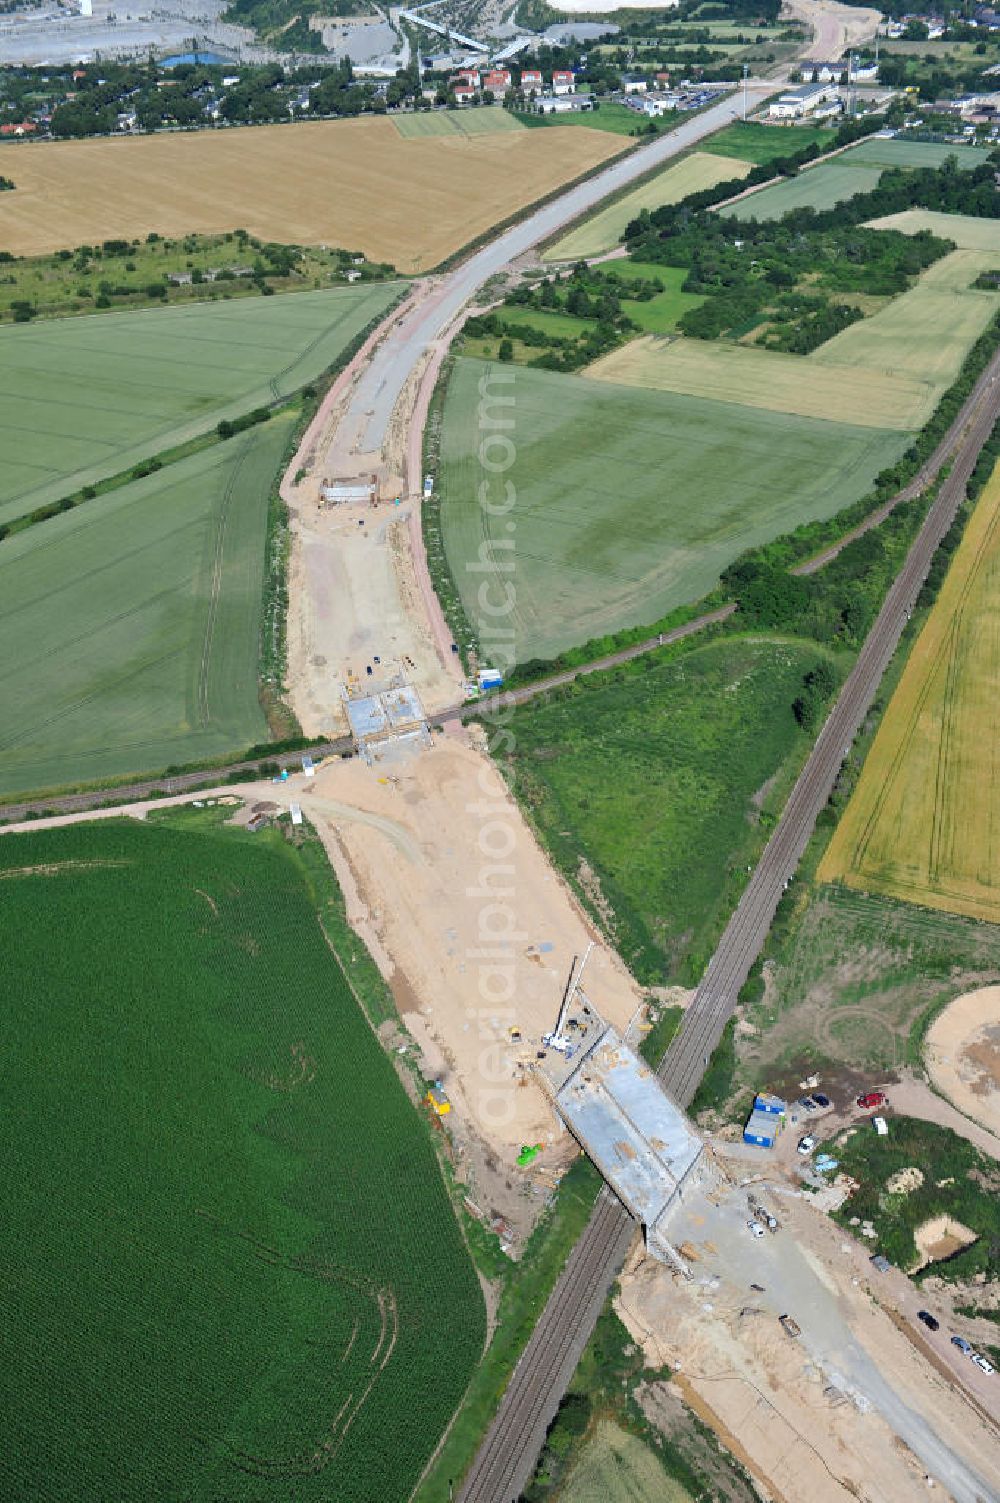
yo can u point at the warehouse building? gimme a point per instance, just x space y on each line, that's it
802 101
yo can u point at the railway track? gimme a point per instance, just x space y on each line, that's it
505 1460
978 400
96 798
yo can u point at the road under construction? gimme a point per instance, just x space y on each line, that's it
506 1458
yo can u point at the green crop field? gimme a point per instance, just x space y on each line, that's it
754 377
474 122
753 142
924 333
131 624
967 232
603 230
705 743
630 502
236 1275
817 187
899 152
852 172
83 398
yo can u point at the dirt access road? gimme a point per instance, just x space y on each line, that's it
836 28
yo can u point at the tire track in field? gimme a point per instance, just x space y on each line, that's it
215 586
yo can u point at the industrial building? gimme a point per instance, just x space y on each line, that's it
548 104
805 100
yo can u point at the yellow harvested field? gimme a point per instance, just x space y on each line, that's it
762 378
351 183
967 232
888 371
602 231
924 821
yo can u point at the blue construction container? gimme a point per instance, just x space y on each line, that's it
761 1129
773 1105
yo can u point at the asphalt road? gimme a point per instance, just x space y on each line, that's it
506 1459
375 395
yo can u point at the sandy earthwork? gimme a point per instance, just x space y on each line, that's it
940 1238
962 1055
798 1413
354 597
447 886
350 183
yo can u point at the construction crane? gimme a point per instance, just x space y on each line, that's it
557 1039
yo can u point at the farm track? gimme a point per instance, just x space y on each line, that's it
505 1460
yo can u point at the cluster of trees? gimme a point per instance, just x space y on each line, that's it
288 20
938 81
190 94
229 427
749 271
585 293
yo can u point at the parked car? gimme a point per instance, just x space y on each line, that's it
983 1362
962 1344
872 1100
928 1320
771 1222
820 1099
806 1145
756 1228
807 1103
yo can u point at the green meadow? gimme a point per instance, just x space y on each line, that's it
85 398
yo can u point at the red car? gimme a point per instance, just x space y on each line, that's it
873 1099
